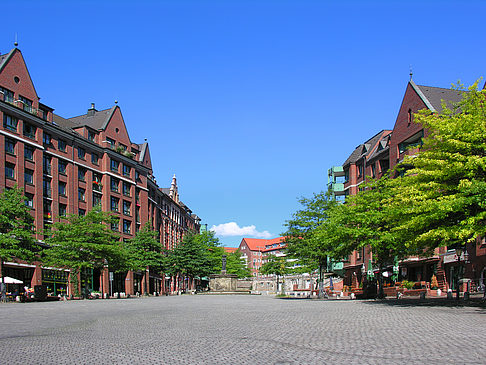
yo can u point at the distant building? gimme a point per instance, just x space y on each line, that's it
255 250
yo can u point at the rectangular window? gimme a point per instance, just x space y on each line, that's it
44 113
97 186
122 146
10 122
114 227
29 130
26 104
137 175
360 170
10 146
114 183
81 212
126 189
30 200
62 188
127 226
9 171
62 210
46 187
62 165
81 153
114 165
96 200
61 145
91 135
114 204
81 194
81 174
46 139
6 95
373 169
47 210
111 142
29 176
94 158
28 153
126 170
126 207
46 165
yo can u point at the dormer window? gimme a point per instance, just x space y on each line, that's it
26 104
91 136
111 142
6 95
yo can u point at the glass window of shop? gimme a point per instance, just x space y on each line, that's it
56 281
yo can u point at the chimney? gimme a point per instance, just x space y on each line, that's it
92 110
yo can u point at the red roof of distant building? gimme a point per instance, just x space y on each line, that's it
230 249
260 244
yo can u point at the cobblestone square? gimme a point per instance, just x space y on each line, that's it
202 329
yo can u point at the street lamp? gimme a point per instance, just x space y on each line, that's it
458 254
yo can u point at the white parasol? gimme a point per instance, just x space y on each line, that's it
9 280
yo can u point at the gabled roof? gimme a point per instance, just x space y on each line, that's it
382 147
98 121
364 149
433 96
258 244
143 149
5 58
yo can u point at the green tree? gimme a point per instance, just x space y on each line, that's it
196 255
85 242
145 251
236 265
443 192
16 228
300 236
276 265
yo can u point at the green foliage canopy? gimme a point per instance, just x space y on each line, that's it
85 242
16 227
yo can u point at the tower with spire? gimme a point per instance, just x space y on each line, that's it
173 193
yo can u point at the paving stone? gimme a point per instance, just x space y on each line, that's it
200 329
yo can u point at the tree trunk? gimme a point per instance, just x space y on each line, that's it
321 294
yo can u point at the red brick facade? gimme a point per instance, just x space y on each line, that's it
385 150
67 166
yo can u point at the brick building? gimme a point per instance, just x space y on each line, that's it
385 150
255 250
69 165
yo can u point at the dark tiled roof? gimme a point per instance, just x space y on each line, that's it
358 151
98 121
382 147
143 149
435 95
4 58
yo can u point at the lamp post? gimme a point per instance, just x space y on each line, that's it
105 266
458 254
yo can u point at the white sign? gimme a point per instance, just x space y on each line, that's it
451 257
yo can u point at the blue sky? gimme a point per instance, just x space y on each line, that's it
247 102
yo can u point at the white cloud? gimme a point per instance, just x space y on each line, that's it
232 229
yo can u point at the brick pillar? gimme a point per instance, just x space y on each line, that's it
145 282
37 277
105 279
129 283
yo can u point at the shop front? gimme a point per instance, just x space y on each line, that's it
56 281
